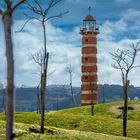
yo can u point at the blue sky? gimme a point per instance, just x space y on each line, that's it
119 22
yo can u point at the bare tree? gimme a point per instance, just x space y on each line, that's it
70 70
41 14
7 18
92 100
38 98
125 62
42 61
103 91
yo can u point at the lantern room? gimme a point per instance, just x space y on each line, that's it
89 25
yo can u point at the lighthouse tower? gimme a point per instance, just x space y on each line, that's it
89 77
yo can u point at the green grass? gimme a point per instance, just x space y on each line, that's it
78 124
51 133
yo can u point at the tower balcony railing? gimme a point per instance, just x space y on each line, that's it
89 30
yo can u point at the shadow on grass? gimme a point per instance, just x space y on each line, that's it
48 130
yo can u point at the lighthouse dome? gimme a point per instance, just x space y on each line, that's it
89 18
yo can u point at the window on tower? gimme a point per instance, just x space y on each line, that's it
86 40
86 77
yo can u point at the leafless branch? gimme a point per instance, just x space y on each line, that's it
135 51
27 21
8 2
124 59
1 12
69 68
51 4
24 24
136 66
36 73
56 16
18 4
50 73
39 11
39 6
38 58
34 9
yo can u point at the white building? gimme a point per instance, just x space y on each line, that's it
136 98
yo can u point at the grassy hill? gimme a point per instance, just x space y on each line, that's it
78 124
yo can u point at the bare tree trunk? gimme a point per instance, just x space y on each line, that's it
38 100
125 109
71 88
7 21
73 99
44 77
42 105
92 101
103 87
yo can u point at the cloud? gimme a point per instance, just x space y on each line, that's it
132 17
62 46
123 1
131 14
109 30
113 35
127 26
65 47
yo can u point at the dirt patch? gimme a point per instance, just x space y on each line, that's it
119 108
114 109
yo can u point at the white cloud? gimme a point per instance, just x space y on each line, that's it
132 17
61 45
105 70
114 35
109 30
64 49
123 1
131 14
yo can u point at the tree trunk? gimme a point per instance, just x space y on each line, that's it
103 86
7 21
125 109
92 101
73 99
44 77
42 105
38 100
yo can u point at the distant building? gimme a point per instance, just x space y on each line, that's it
136 98
23 86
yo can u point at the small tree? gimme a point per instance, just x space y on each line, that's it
70 70
7 19
125 62
103 91
41 14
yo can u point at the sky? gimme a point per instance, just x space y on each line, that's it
119 24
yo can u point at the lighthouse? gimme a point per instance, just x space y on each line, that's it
89 87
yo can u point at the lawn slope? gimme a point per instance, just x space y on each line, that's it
30 132
77 123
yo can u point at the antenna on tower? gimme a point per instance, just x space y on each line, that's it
89 9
